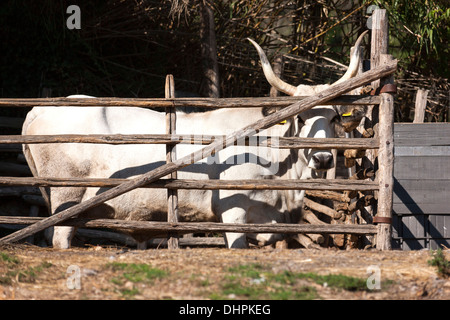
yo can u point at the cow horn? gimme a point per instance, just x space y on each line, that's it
355 58
270 75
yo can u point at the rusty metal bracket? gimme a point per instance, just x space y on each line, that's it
382 220
387 88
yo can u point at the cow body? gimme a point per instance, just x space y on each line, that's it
84 160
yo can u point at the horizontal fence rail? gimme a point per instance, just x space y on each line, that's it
263 141
278 184
182 102
192 227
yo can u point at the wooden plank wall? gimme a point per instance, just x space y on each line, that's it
421 185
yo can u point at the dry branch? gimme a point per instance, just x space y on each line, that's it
330 195
305 241
309 216
321 208
354 153
317 238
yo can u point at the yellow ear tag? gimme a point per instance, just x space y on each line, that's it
348 114
283 122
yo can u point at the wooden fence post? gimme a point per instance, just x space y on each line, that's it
385 173
172 194
380 40
421 104
384 115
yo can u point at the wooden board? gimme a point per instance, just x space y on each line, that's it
421 196
439 226
415 232
422 134
423 168
421 185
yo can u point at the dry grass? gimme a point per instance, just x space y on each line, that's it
113 273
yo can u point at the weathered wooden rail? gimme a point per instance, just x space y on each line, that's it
180 102
291 184
164 228
292 106
263 141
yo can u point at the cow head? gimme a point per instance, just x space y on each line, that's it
317 122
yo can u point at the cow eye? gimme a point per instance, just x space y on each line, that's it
300 120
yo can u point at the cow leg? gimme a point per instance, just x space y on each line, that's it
235 240
62 237
62 199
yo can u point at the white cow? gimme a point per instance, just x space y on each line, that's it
128 161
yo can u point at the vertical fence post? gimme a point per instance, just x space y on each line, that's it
385 165
385 115
380 40
172 194
421 105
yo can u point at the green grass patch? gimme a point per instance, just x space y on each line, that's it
16 272
29 274
440 261
256 281
8 259
253 270
136 274
338 281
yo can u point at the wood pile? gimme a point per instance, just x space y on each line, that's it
346 207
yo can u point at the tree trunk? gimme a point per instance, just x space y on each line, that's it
210 67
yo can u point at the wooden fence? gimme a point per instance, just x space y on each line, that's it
421 186
382 68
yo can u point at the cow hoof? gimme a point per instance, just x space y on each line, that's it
62 237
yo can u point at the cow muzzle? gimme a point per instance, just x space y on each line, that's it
321 161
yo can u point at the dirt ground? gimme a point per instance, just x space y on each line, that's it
28 272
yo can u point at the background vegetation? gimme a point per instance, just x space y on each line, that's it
126 47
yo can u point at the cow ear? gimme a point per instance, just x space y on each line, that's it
335 119
266 111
